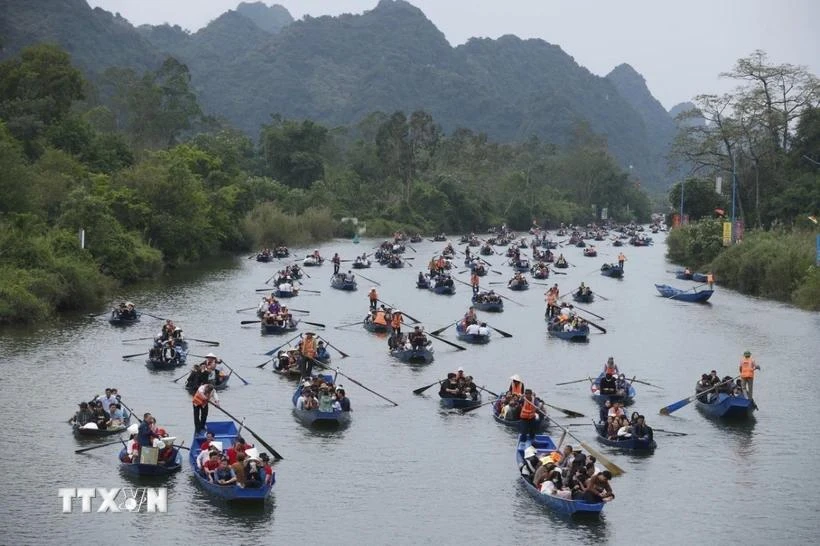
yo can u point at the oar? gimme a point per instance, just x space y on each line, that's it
612 467
275 349
126 357
422 389
502 332
496 282
235 372
92 315
181 376
459 347
136 339
357 383
588 312
600 296
601 328
489 392
468 410
568 413
260 440
675 406
317 324
486 262
242 310
265 290
673 433
440 330
645 383
571 382
299 310
83 450
214 343
329 344
411 248
346 325
311 291
249 321
153 316
129 410
377 283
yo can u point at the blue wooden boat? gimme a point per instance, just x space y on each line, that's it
281 252
289 294
612 270
515 423
602 398
449 402
727 406
590 252
444 290
264 258
167 358
683 275
560 265
395 264
583 298
320 419
413 356
520 286
577 335
476 339
540 273
628 444
544 445
340 282
225 432
123 319
278 329
699 277
361 264
423 282
672 293
488 306
371 326
144 469
522 265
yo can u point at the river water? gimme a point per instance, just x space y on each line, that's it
415 474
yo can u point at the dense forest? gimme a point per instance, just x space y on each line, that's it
153 181
256 61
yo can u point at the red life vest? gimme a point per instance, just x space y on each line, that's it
527 410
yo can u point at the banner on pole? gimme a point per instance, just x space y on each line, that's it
718 185
727 233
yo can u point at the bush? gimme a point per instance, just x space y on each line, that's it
268 226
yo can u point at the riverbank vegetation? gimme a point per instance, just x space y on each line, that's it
153 181
766 137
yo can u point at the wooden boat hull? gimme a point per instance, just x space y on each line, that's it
167 360
312 262
153 470
583 298
118 320
672 293
544 445
361 265
81 432
540 274
276 330
489 306
444 290
615 272
283 295
460 403
519 287
475 339
413 356
343 284
602 399
423 285
699 277
727 407
579 335
560 265
627 444
319 419
225 432
371 326
515 423
264 258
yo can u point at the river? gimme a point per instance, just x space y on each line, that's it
415 474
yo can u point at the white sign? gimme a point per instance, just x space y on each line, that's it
718 184
115 499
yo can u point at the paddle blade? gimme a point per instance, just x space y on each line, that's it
317 324
671 408
609 465
422 389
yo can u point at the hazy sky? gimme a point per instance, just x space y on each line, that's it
680 47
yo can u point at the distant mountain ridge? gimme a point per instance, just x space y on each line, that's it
256 60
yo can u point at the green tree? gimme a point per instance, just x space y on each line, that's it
293 151
699 198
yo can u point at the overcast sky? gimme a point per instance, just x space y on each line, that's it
680 47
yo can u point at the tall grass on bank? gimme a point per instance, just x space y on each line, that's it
774 264
268 226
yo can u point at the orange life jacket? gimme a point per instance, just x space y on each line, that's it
527 410
200 399
308 347
396 322
747 368
474 280
517 387
380 318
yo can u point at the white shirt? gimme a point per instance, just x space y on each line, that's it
286 287
473 329
483 330
300 403
107 401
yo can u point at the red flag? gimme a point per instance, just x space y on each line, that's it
720 212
